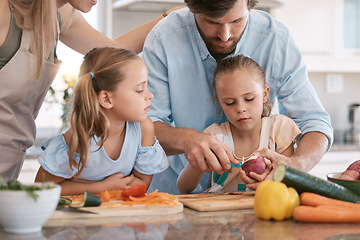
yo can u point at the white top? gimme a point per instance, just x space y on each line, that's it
146 160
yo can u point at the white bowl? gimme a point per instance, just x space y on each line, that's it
20 213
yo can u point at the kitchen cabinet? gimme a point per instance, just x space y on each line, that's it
318 30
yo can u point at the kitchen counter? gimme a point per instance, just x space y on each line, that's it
224 225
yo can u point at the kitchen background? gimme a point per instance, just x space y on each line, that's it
326 31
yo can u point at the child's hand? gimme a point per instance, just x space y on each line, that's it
117 181
255 179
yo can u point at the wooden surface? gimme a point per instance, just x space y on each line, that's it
218 202
118 211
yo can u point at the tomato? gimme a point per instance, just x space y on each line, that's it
135 191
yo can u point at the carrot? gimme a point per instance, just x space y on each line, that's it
105 196
326 214
313 199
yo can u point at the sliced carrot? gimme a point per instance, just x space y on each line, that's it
313 199
326 214
105 196
114 199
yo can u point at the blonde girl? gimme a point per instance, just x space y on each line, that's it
29 31
242 92
111 143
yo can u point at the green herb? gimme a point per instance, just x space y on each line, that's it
15 185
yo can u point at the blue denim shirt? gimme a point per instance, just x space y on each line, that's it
181 77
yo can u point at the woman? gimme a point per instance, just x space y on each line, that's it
28 34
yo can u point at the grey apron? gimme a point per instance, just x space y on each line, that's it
21 96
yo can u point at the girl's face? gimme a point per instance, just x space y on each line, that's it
241 96
83 5
131 99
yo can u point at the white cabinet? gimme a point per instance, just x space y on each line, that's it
318 29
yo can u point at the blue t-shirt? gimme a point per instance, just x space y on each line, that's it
146 160
181 79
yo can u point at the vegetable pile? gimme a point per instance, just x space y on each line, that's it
317 208
15 185
352 173
134 195
320 201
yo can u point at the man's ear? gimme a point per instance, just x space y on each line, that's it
105 99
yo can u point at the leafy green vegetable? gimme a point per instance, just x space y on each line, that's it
15 185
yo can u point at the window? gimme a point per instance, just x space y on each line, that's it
352 24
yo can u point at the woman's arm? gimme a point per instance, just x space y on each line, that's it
79 35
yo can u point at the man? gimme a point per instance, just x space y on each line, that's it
181 54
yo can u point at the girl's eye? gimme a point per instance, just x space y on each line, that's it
229 104
249 99
139 91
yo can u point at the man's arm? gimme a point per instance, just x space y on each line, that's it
310 150
201 150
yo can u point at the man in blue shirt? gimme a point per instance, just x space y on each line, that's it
181 54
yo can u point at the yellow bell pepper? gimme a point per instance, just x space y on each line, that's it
274 200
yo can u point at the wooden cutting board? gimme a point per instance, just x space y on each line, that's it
218 202
104 211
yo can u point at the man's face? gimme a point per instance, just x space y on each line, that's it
222 34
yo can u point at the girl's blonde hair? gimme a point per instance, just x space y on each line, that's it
40 18
102 69
241 62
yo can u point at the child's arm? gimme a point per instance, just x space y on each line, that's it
44 176
116 181
140 178
147 140
189 179
147 132
75 187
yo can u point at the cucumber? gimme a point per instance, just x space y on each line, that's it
304 182
63 202
89 200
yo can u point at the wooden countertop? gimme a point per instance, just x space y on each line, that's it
190 224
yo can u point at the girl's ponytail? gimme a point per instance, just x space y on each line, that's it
87 119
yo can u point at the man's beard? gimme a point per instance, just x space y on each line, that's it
219 52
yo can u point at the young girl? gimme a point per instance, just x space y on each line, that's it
29 32
111 142
241 90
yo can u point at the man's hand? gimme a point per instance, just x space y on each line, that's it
208 154
201 149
